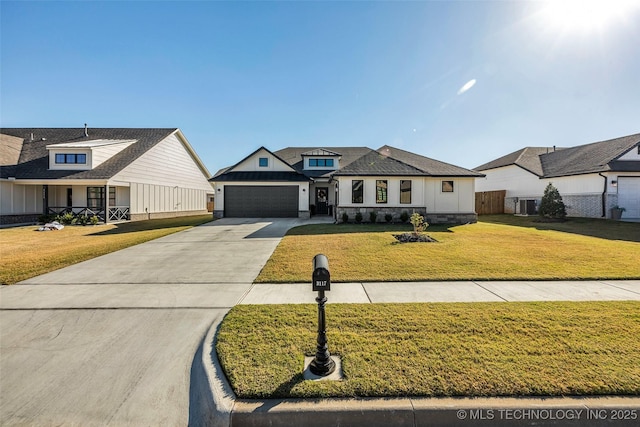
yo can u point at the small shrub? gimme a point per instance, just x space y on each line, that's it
388 217
373 216
404 216
358 217
345 217
94 220
551 205
418 222
82 220
66 219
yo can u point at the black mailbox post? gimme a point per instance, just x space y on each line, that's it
321 277
322 364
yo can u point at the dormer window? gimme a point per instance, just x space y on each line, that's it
321 159
71 159
263 162
327 163
84 155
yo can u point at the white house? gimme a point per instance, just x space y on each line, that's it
591 178
115 174
303 181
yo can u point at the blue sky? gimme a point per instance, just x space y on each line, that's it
459 81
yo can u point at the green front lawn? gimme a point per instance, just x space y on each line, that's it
482 349
500 247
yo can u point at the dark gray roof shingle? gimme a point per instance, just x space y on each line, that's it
260 176
34 157
589 158
293 156
375 163
427 165
527 158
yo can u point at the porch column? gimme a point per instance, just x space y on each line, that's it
106 204
45 199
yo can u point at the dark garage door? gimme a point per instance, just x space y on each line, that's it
268 201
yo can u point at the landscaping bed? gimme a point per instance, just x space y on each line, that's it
479 349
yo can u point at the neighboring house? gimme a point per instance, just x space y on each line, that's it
303 181
115 174
591 178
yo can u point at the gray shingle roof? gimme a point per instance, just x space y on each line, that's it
320 152
590 158
260 176
293 156
426 165
34 157
375 163
10 149
363 161
527 158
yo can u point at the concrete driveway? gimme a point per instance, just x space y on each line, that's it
111 341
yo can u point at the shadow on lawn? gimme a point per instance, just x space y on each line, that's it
592 227
152 224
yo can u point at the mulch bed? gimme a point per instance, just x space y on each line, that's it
413 237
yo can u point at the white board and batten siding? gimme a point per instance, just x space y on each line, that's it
16 199
252 163
425 192
165 179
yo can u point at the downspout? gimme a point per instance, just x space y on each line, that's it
604 196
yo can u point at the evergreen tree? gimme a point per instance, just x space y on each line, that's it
552 205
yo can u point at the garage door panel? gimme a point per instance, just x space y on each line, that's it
629 196
277 201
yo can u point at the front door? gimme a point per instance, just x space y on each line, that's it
322 201
69 197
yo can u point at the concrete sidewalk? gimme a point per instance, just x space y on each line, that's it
466 291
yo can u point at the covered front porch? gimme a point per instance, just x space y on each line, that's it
106 202
322 198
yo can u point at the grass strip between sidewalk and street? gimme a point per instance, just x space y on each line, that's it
439 349
27 252
500 247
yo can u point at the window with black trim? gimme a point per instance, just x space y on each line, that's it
381 191
263 162
357 191
95 197
320 163
447 186
405 191
71 159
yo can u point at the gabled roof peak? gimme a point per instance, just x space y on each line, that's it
320 152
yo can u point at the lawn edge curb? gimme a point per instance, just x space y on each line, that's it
415 411
212 398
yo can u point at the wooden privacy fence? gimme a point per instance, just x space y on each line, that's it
490 202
